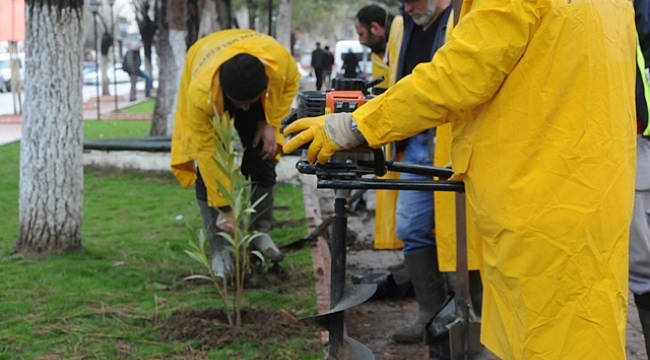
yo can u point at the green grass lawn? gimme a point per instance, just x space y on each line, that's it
109 300
145 107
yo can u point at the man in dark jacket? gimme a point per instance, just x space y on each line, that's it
328 61
317 63
131 65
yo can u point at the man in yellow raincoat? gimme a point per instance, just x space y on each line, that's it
540 95
382 32
248 76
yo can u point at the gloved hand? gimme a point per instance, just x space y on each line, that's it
327 133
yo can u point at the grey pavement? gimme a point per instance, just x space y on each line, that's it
10 133
11 125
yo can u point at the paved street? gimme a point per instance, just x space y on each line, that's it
11 127
89 91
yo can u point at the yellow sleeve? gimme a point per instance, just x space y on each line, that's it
379 68
282 94
182 161
192 141
394 47
464 73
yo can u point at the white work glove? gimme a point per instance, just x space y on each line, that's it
327 134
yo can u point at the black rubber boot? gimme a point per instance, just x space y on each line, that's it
643 306
430 292
439 348
262 221
476 291
222 260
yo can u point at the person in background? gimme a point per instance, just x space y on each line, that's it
317 57
250 77
640 228
131 64
425 23
328 62
381 31
544 141
350 65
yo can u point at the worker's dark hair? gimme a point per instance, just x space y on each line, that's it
370 13
243 77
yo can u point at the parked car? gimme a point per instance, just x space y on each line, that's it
90 78
89 66
5 70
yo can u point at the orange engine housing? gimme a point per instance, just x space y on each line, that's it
337 101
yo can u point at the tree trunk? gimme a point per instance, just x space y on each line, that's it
252 13
209 19
105 81
193 21
147 29
283 24
171 47
51 170
225 14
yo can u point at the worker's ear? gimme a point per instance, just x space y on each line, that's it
377 29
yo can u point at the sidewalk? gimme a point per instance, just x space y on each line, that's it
11 125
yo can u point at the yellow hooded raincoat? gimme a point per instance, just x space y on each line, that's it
200 95
540 94
386 200
445 204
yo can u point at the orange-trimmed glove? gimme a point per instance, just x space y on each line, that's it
327 134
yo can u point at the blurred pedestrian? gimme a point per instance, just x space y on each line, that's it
317 57
351 67
328 62
131 64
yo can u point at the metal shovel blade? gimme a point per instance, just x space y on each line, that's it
464 332
353 295
358 350
465 337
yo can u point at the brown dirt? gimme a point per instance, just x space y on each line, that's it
209 327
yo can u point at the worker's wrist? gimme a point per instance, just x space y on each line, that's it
225 209
355 130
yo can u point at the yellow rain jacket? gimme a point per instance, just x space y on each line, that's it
445 205
382 66
541 99
379 68
386 200
200 95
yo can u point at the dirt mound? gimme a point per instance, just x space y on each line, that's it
209 327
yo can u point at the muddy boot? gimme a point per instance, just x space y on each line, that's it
430 292
643 306
222 261
450 278
476 291
439 348
262 220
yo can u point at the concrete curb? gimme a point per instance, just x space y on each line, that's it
320 253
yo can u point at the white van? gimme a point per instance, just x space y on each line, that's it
362 53
5 70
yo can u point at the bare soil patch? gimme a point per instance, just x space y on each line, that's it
209 327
